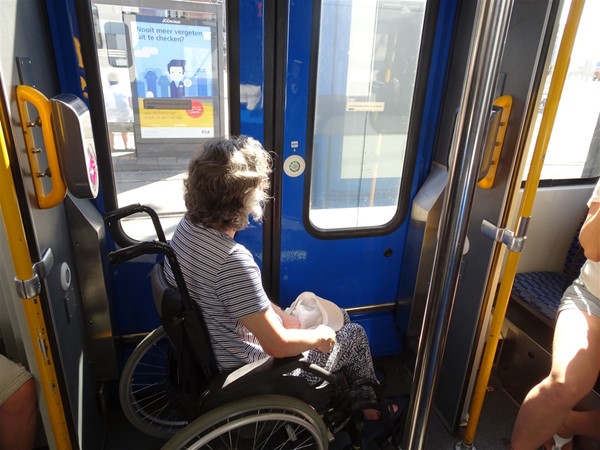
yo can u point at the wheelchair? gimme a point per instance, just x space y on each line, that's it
170 387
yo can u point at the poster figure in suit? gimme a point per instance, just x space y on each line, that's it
176 69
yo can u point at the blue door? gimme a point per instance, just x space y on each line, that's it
350 152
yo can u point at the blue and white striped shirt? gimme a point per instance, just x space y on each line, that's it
223 278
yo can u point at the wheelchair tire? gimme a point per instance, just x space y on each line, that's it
265 422
143 389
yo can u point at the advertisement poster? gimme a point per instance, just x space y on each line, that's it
173 66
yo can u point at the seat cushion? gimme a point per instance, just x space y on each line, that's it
541 291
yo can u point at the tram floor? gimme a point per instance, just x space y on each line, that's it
495 424
493 433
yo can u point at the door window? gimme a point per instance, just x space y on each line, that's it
367 63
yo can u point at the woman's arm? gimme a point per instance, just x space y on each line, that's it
279 342
589 237
289 321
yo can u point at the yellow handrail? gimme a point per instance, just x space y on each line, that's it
55 196
32 307
525 207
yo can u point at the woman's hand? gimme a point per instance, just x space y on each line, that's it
326 339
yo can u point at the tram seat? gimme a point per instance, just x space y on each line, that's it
525 356
541 292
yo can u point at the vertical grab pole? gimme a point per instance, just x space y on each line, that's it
31 304
487 43
533 177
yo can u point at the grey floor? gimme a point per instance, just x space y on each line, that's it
495 423
493 432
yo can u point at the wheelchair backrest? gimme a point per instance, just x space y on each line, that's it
194 364
166 298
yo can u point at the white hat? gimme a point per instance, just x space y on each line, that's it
312 311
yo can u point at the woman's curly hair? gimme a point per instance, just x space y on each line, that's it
227 182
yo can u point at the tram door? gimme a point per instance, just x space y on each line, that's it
347 148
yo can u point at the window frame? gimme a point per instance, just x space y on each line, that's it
107 199
412 140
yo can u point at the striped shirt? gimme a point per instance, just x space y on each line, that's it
223 278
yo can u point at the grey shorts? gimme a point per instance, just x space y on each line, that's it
12 377
578 297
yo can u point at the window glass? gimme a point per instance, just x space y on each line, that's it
164 87
368 53
574 148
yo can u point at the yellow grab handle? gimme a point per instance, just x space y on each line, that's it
504 102
27 94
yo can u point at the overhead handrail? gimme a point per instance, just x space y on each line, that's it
525 207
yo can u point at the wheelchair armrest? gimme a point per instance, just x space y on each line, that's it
276 367
320 372
273 376
142 248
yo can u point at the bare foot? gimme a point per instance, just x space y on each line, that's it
373 414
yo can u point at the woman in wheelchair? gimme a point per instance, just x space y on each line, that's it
227 183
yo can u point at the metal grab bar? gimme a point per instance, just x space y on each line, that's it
487 42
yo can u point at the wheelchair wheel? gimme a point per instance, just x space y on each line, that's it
265 422
143 389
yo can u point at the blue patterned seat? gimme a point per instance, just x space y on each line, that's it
542 291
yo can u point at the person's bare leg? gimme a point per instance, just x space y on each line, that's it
575 366
582 423
125 137
18 417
